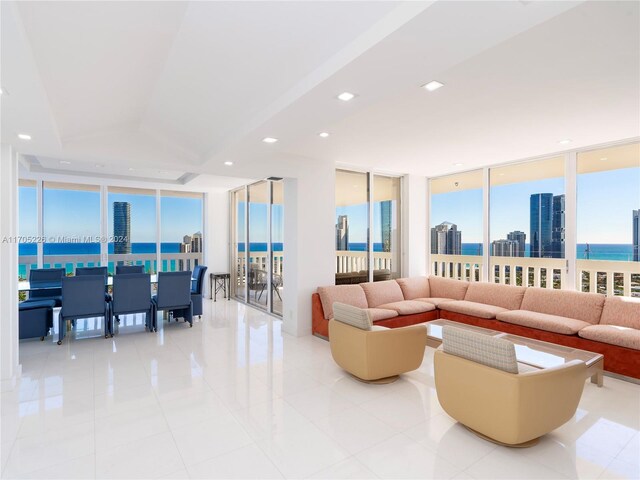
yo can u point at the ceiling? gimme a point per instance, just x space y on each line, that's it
167 91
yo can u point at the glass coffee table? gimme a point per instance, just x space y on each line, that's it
535 353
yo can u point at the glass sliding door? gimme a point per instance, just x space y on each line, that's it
386 227
352 227
239 243
259 252
27 228
277 246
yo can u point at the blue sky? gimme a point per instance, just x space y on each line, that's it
358 221
258 222
75 213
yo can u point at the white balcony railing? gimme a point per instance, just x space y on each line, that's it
608 277
352 261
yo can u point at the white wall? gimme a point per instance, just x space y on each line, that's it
414 226
309 216
216 231
9 360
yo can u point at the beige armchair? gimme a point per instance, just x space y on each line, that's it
508 408
374 354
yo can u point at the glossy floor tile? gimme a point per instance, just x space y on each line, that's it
235 397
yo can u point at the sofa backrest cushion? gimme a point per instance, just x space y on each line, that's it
484 349
564 303
349 294
379 293
354 316
414 287
505 296
447 288
621 312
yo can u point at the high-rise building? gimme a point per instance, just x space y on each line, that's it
121 228
541 219
446 239
557 233
636 235
385 225
342 233
503 248
520 240
185 246
196 242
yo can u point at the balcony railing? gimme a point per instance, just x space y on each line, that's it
353 261
608 277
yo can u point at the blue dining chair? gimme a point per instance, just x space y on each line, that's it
174 296
83 297
127 269
197 285
83 271
47 284
132 294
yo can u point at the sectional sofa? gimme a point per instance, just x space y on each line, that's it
587 321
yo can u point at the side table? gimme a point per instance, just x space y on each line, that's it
220 281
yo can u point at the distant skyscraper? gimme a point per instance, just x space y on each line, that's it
342 233
503 248
446 239
122 227
385 224
636 235
196 242
557 233
546 218
520 240
185 246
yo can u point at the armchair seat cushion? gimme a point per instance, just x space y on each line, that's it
543 321
613 335
35 304
408 307
435 301
475 309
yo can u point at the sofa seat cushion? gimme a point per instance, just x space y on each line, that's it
349 294
613 335
440 287
378 314
564 303
435 301
505 296
414 287
472 308
622 312
543 321
378 293
409 307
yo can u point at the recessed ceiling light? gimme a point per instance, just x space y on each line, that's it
269 140
604 159
432 85
458 164
228 163
323 134
346 96
566 141
99 165
65 162
24 136
131 169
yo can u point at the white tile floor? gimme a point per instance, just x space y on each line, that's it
234 397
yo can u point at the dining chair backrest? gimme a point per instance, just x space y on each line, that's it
174 289
197 279
84 271
131 293
83 296
127 269
46 276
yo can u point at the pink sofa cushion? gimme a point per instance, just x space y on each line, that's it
621 311
409 307
349 294
414 287
447 288
505 296
378 314
564 303
543 321
472 308
613 334
435 301
378 293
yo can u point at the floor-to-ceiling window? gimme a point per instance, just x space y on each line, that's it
608 220
259 246
277 246
132 228
239 243
181 246
27 227
386 224
456 225
527 227
71 225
